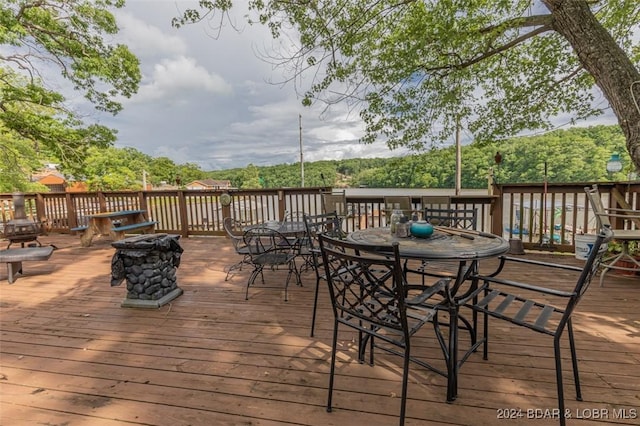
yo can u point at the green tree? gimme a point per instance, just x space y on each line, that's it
20 159
251 178
162 169
113 169
188 172
421 68
73 36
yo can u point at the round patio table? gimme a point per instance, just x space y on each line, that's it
466 248
441 245
285 228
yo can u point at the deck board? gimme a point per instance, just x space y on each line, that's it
69 354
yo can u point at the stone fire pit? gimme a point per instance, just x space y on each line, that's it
148 263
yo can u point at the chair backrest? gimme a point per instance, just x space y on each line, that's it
335 202
365 284
326 223
262 239
292 216
455 218
402 202
234 231
436 201
595 200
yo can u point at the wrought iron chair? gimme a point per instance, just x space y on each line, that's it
545 310
236 234
270 249
335 201
300 242
630 232
401 202
326 223
368 294
436 201
449 217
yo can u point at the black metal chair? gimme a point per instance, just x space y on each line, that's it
451 217
368 294
326 223
445 217
301 242
236 235
545 310
270 249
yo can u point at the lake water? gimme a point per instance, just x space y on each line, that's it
414 192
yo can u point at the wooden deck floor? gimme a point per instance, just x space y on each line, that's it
70 355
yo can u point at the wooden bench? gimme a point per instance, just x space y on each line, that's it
14 258
144 227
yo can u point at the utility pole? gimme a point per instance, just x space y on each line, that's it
301 152
458 159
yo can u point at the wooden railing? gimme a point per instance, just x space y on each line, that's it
548 217
544 217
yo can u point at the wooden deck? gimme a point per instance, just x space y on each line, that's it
70 355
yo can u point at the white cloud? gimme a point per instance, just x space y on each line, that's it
145 39
180 77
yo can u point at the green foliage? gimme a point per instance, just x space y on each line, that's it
251 178
575 155
71 36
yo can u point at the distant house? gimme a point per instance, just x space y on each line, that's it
53 180
56 182
209 184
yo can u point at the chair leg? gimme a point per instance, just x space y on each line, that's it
315 306
332 371
405 383
485 330
252 278
452 368
574 361
556 352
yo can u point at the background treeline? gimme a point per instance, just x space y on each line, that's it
574 155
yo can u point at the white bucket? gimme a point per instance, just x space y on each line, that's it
584 245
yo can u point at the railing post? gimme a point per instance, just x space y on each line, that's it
102 201
182 209
142 200
40 208
282 204
72 214
496 210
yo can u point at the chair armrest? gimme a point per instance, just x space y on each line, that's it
625 214
523 286
616 210
505 259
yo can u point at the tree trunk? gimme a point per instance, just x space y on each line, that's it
609 65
